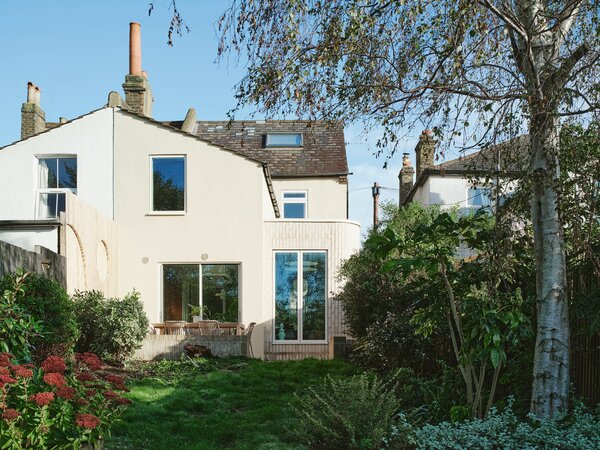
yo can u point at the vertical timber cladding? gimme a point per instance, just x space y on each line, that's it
339 239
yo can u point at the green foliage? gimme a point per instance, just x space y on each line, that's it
505 430
18 328
378 305
354 413
51 406
112 328
49 305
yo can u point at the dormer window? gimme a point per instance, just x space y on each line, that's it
283 140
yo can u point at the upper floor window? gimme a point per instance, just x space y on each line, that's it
294 205
168 183
57 175
283 140
479 197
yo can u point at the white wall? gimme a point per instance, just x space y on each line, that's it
326 196
28 238
223 221
89 137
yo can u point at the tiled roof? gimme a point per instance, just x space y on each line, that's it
323 151
513 156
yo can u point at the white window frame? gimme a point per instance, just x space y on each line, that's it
303 200
470 198
269 145
151 210
40 191
299 282
161 288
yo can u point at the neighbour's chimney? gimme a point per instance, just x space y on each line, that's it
138 95
33 119
189 123
406 178
425 151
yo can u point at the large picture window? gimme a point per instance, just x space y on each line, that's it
215 294
300 296
168 183
57 176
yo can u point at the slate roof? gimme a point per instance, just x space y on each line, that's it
323 152
513 157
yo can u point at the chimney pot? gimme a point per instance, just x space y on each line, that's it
62 120
135 49
405 160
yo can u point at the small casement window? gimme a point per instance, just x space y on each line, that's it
294 204
168 183
57 176
283 140
479 197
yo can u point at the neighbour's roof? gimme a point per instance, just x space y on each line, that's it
511 155
323 151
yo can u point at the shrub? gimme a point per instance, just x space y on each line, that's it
505 430
49 304
54 406
112 328
353 413
18 328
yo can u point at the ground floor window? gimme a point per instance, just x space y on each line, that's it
208 290
300 313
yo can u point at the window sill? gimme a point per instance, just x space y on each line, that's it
166 213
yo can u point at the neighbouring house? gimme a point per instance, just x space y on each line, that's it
244 221
481 179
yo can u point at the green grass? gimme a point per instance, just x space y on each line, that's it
222 404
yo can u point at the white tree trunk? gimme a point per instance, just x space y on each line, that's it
551 362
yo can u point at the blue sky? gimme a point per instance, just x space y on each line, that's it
77 52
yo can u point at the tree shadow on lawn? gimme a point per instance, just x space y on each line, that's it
231 403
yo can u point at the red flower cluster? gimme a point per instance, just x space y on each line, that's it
23 372
5 359
66 392
10 414
87 421
123 401
91 360
111 394
54 379
4 371
42 398
114 379
7 379
54 364
84 376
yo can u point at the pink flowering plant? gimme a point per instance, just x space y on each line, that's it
58 404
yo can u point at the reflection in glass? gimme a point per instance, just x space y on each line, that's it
48 173
50 205
286 296
313 296
168 184
220 292
67 173
180 290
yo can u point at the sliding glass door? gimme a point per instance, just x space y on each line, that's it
215 294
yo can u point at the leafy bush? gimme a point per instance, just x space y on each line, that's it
353 413
53 406
505 430
49 304
112 328
18 328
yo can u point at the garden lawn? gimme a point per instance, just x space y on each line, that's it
231 403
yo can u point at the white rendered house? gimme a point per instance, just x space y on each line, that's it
248 221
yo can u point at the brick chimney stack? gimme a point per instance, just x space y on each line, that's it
406 178
425 151
138 95
33 119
